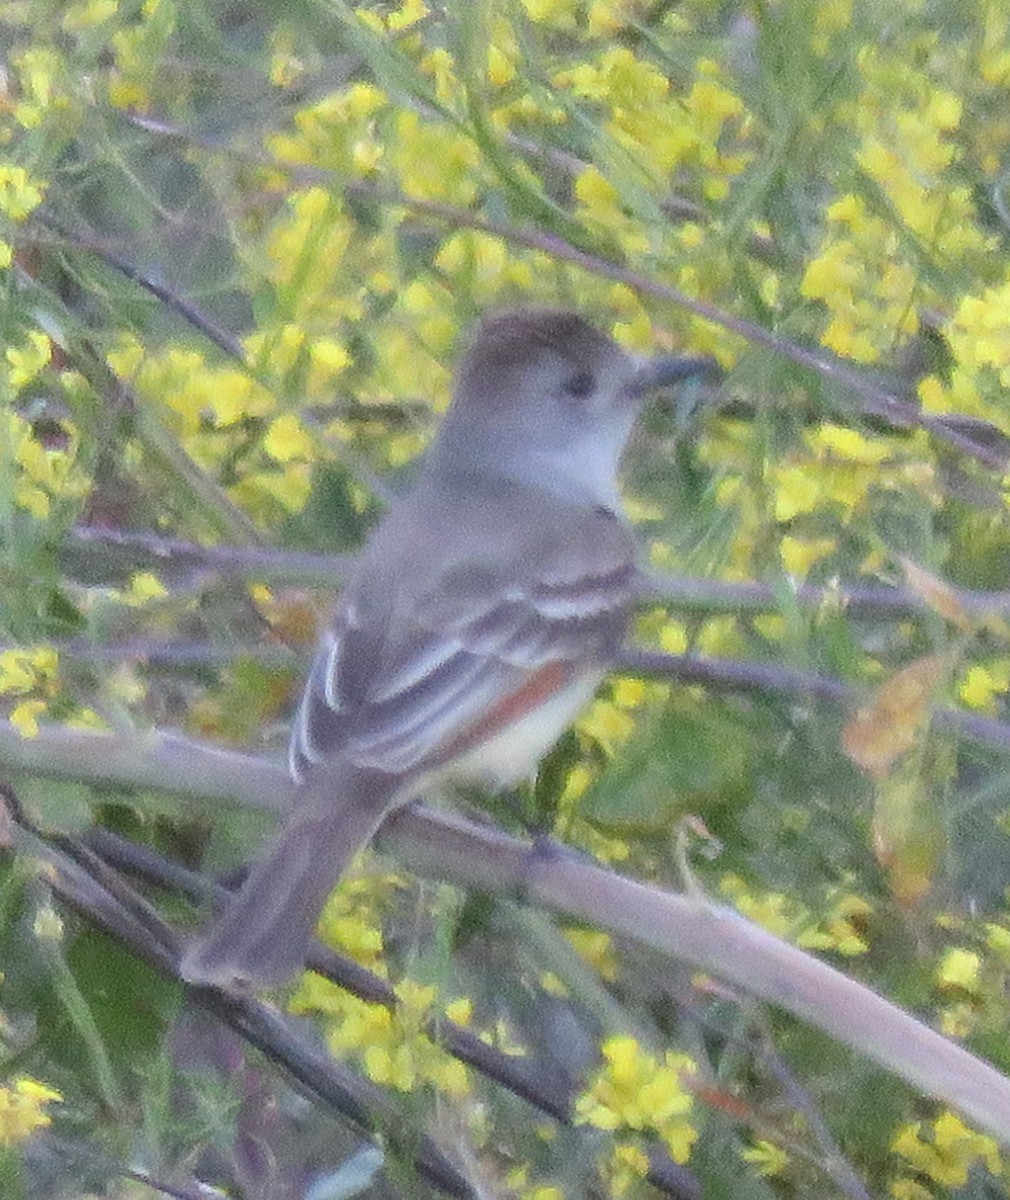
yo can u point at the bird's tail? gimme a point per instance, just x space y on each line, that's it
262 935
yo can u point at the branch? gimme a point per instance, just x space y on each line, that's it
85 880
715 939
736 675
107 903
686 593
688 928
550 1094
263 564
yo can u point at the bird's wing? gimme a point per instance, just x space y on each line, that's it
441 641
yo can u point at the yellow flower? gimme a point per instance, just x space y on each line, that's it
960 969
434 162
982 684
797 490
849 444
290 488
440 66
37 68
393 1046
673 637
329 355
27 361
932 393
994 56
766 1157
286 439
23 670
80 17
23 1109
128 93
24 718
560 13
948 1152
835 930
144 586
634 1090
19 194
628 1166
597 948
601 207
15 672
800 554
408 14
502 53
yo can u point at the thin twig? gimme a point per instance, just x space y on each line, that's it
255 563
832 1160
189 312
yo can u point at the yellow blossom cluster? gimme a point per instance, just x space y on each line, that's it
979 338
42 473
361 129
971 978
864 282
212 405
351 922
661 133
135 48
434 162
23 1106
341 131
661 130
833 473
905 204
393 1046
307 261
409 13
844 466
20 194
29 674
766 1158
41 76
836 928
599 18
636 1092
983 684
945 1151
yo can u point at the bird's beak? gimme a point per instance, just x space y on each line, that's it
655 373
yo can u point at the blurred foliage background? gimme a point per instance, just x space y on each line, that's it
241 245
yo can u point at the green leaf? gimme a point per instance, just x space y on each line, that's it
688 759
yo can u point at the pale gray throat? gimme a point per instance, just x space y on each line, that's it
583 469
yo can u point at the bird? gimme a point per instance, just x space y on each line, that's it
480 618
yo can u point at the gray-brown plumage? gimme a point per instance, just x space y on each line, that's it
480 618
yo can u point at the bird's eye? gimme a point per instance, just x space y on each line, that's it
580 384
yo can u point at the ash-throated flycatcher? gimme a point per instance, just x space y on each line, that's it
479 620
